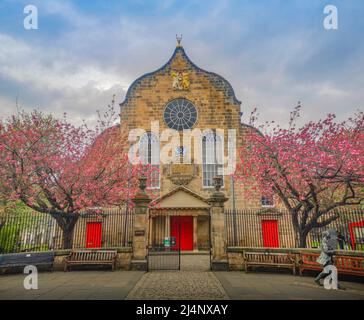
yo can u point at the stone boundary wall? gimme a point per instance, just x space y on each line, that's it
236 258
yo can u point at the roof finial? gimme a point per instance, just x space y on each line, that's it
179 39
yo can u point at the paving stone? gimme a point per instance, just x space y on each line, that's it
195 262
239 285
71 285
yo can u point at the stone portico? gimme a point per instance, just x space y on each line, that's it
193 212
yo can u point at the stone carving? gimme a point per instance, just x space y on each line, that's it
181 180
181 174
181 80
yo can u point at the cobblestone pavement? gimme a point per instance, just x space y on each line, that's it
178 285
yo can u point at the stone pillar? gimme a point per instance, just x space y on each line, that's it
195 233
140 235
219 259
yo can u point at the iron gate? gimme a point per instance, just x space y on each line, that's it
170 234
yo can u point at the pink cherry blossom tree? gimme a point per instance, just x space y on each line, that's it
312 169
60 169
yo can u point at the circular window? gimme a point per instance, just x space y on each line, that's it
180 114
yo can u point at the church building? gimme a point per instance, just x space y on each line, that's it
178 98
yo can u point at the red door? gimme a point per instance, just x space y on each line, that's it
270 233
356 230
93 235
182 230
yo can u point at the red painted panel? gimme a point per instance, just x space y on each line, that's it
352 225
270 233
93 234
182 229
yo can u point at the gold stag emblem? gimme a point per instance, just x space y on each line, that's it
181 80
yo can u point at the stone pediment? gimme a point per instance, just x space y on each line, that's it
181 197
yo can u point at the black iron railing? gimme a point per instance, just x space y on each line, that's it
34 231
274 228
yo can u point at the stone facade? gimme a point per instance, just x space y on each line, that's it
217 108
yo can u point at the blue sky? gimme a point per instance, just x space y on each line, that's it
274 53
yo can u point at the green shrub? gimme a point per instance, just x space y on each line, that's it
9 238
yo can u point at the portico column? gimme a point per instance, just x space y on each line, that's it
168 225
140 235
219 261
195 233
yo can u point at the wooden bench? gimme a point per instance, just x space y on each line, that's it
308 262
17 261
91 257
345 264
264 259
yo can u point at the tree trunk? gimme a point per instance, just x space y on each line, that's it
66 222
300 233
302 240
296 228
67 238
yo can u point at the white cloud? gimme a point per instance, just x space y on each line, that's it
55 81
25 64
95 57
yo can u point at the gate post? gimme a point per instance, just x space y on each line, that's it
140 232
219 261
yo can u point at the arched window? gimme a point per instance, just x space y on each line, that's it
149 155
212 158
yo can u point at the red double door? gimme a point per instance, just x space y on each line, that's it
93 234
182 230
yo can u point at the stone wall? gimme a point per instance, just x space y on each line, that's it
236 261
123 261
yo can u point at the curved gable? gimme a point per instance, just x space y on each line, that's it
216 80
